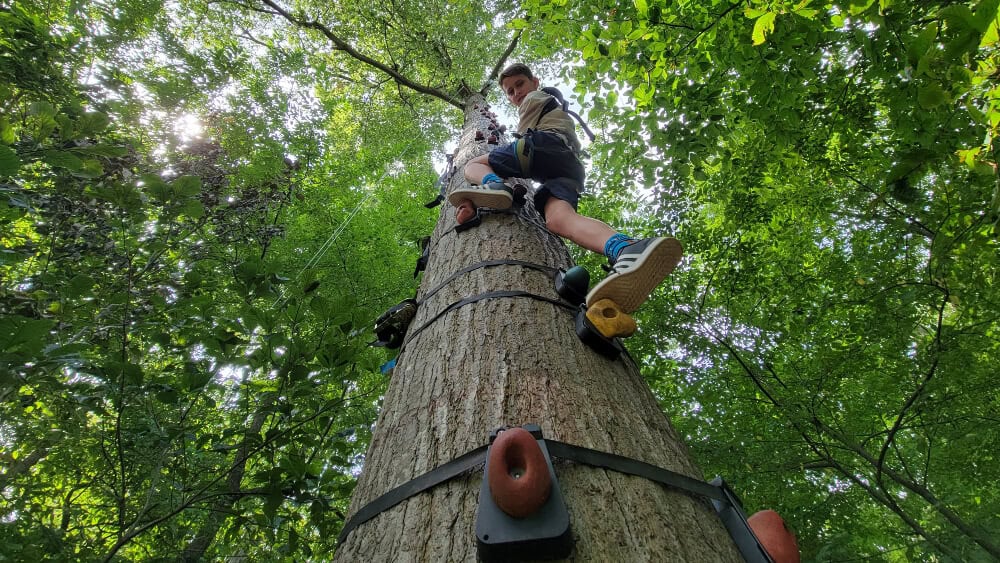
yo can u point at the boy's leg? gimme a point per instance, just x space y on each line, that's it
478 168
491 192
563 220
637 266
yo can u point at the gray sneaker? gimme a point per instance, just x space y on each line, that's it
494 195
640 267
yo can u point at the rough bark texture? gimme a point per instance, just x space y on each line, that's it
512 361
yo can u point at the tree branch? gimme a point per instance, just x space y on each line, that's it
350 50
492 77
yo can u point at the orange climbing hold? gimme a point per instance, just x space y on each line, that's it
518 474
465 211
775 536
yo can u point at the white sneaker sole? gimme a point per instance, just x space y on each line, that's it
631 288
494 199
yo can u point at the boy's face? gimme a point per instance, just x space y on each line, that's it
517 87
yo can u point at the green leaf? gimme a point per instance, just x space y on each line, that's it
91 169
153 185
110 151
958 17
65 127
168 396
193 209
92 123
931 95
187 186
9 162
642 8
6 131
42 109
62 159
985 14
132 373
859 7
917 47
763 26
20 334
79 285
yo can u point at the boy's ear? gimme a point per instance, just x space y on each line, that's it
536 82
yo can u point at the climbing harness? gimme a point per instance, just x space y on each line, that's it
553 537
559 102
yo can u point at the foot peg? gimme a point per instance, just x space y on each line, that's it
572 285
609 319
609 347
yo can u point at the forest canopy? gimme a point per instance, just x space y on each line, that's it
205 205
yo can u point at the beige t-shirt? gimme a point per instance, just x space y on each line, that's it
556 121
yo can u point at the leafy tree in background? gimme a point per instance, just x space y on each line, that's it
181 366
832 167
172 373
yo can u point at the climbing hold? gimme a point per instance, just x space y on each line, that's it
609 319
521 513
425 255
610 348
503 128
572 285
479 136
465 211
390 327
468 223
493 140
775 536
518 475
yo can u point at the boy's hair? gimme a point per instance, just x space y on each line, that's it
514 70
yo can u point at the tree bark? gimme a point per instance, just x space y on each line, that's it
511 361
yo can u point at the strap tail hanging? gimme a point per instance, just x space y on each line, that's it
590 134
560 101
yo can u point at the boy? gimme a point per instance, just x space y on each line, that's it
547 151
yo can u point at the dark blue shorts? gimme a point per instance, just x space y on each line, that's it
549 161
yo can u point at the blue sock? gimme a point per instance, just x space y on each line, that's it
491 177
613 247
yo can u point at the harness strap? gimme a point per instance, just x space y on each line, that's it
635 467
725 502
555 103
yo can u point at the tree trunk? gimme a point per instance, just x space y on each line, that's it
221 510
511 361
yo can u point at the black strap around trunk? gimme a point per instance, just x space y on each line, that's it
548 270
586 456
483 296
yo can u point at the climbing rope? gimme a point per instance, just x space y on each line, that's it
321 251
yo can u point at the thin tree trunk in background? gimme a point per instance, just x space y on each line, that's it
222 509
512 361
